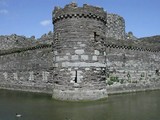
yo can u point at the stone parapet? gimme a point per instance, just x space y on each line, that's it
73 11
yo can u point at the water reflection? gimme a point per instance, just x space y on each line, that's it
139 106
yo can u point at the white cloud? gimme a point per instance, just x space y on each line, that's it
45 22
3 11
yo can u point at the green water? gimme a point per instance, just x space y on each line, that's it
135 106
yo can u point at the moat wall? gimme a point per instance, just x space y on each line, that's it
29 70
132 70
126 70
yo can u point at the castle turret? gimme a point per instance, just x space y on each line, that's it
115 27
79 53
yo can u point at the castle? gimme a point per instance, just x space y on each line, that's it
88 56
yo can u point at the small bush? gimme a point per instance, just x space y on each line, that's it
122 81
135 81
110 82
114 79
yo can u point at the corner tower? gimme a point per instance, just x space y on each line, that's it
79 53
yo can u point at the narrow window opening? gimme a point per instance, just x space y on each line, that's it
124 60
75 77
157 72
95 36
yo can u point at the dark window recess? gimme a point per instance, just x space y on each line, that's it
103 71
94 35
124 57
124 60
76 77
56 82
157 72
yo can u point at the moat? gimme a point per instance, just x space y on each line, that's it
133 106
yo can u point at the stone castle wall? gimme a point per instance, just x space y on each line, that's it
29 70
115 27
127 70
132 70
15 41
81 61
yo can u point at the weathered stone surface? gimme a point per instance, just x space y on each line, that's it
80 40
74 57
82 60
84 57
115 27
79 52
82 64
94 58
77 95
96 52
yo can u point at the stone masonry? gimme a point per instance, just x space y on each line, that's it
78 54
86 58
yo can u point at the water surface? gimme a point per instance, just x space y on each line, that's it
133 106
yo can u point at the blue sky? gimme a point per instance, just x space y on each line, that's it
33 17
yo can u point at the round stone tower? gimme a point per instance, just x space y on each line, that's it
79 53
115 27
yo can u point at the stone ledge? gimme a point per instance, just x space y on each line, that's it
132 88
79 95
82 64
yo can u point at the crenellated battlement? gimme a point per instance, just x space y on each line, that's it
73 11
115 24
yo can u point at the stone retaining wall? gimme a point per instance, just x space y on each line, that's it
33 81
131 70
28 70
